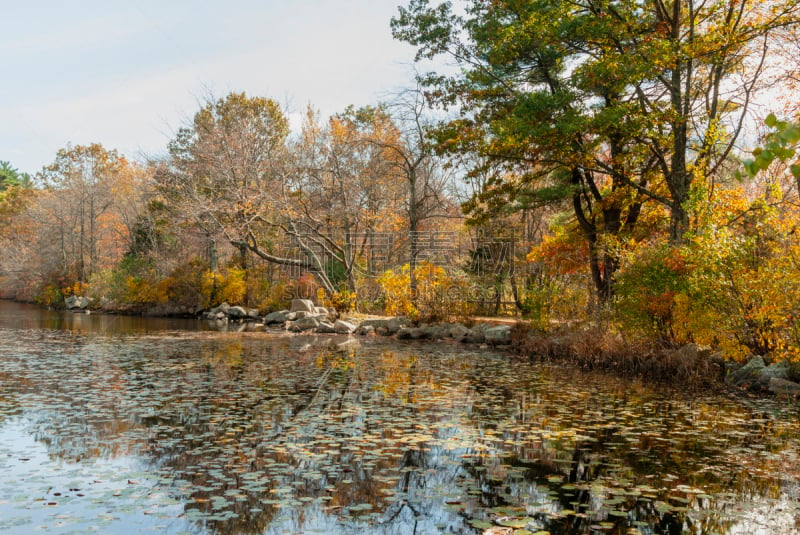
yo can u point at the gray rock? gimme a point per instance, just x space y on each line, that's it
76 302
434 332
216 316
237 313
252 313
281 316
326 328
456 331
393 325
365 330
783 387
779 370
303 305
475 335
374 323
343 327
321 311
304 324
749 374
411 333
499 335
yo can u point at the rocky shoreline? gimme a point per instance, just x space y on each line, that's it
756 376
305 317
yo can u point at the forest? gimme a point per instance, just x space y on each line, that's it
630 163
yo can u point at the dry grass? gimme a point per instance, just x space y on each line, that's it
595 348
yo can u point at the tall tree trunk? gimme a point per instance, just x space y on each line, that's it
413 228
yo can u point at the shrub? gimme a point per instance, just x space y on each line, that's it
224 286
650 279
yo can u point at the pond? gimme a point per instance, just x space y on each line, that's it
130 425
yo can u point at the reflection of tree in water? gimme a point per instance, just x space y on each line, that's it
595 457
259 437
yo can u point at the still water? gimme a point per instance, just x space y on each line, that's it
125 425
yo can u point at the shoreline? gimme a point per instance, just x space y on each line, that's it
585 347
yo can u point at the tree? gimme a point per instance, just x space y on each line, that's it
291 202
605 104
349 183
10 176
83 188
224 166
416 166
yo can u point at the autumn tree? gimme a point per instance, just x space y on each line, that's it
293 202
602 104
349 186
82 192
423 177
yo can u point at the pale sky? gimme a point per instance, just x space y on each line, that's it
128 73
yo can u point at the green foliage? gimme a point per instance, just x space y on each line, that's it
10 177
50 296
620 98
780 144
647 284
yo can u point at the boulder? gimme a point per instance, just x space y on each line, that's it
304 324
216 316
393 325
375 323
783 387
326 327
756 375
457 331
474 336
411 333
749 374
343 327
303 305
434 332
76 302
237 313
281 316
498 335
365 330
780 370
321 311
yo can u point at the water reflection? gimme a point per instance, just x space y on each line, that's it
249 433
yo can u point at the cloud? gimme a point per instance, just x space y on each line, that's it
128 77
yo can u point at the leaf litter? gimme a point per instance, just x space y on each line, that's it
244 433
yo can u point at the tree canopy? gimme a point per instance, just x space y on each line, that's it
609 104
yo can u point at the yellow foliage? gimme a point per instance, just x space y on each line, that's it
78 289
733 284
226 286
439 295
341 301
397 292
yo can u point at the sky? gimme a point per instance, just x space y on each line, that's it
128 74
